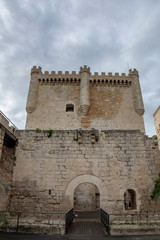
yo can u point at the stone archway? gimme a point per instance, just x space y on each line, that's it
86 197
68 201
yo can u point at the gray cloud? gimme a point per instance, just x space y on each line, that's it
63 35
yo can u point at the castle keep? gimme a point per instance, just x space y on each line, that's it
65 101
84 147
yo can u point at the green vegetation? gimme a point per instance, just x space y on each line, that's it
156 191
3 220
76 137
96 138
49 133
154 137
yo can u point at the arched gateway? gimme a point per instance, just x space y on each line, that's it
86 197
68 202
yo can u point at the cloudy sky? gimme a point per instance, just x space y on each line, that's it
107 35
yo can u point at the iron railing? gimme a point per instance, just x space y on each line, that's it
69 219
104 217
11 124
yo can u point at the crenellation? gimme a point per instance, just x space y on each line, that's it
75 77
84 69
96 74
133 72
36 70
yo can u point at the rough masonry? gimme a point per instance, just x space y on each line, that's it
84 147
156 116
67 101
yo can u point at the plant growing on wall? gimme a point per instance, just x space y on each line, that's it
76 136
49 133
3 220
156 191
154 137
96 138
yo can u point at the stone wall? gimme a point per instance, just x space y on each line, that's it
156 116
100 101
7 159
48 170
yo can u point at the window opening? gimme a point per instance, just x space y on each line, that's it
69 108
130 199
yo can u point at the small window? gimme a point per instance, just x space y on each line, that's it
69 108
130 199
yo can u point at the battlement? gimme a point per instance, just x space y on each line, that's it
36 70
134 71
103 74
74 77
84 69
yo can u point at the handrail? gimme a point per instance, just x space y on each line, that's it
69 219
104 217
1 113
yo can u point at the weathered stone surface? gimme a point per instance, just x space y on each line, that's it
108 102
156 116
7 159
96 155
121 160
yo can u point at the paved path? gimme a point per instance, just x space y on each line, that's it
23 236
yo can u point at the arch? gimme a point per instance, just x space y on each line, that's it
86 197
69 193
130 199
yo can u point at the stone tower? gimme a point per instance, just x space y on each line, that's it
156 116
84 147
84 100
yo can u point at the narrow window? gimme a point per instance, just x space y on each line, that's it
130 199
69 108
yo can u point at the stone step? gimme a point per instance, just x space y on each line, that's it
86 220
87 214
86 229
